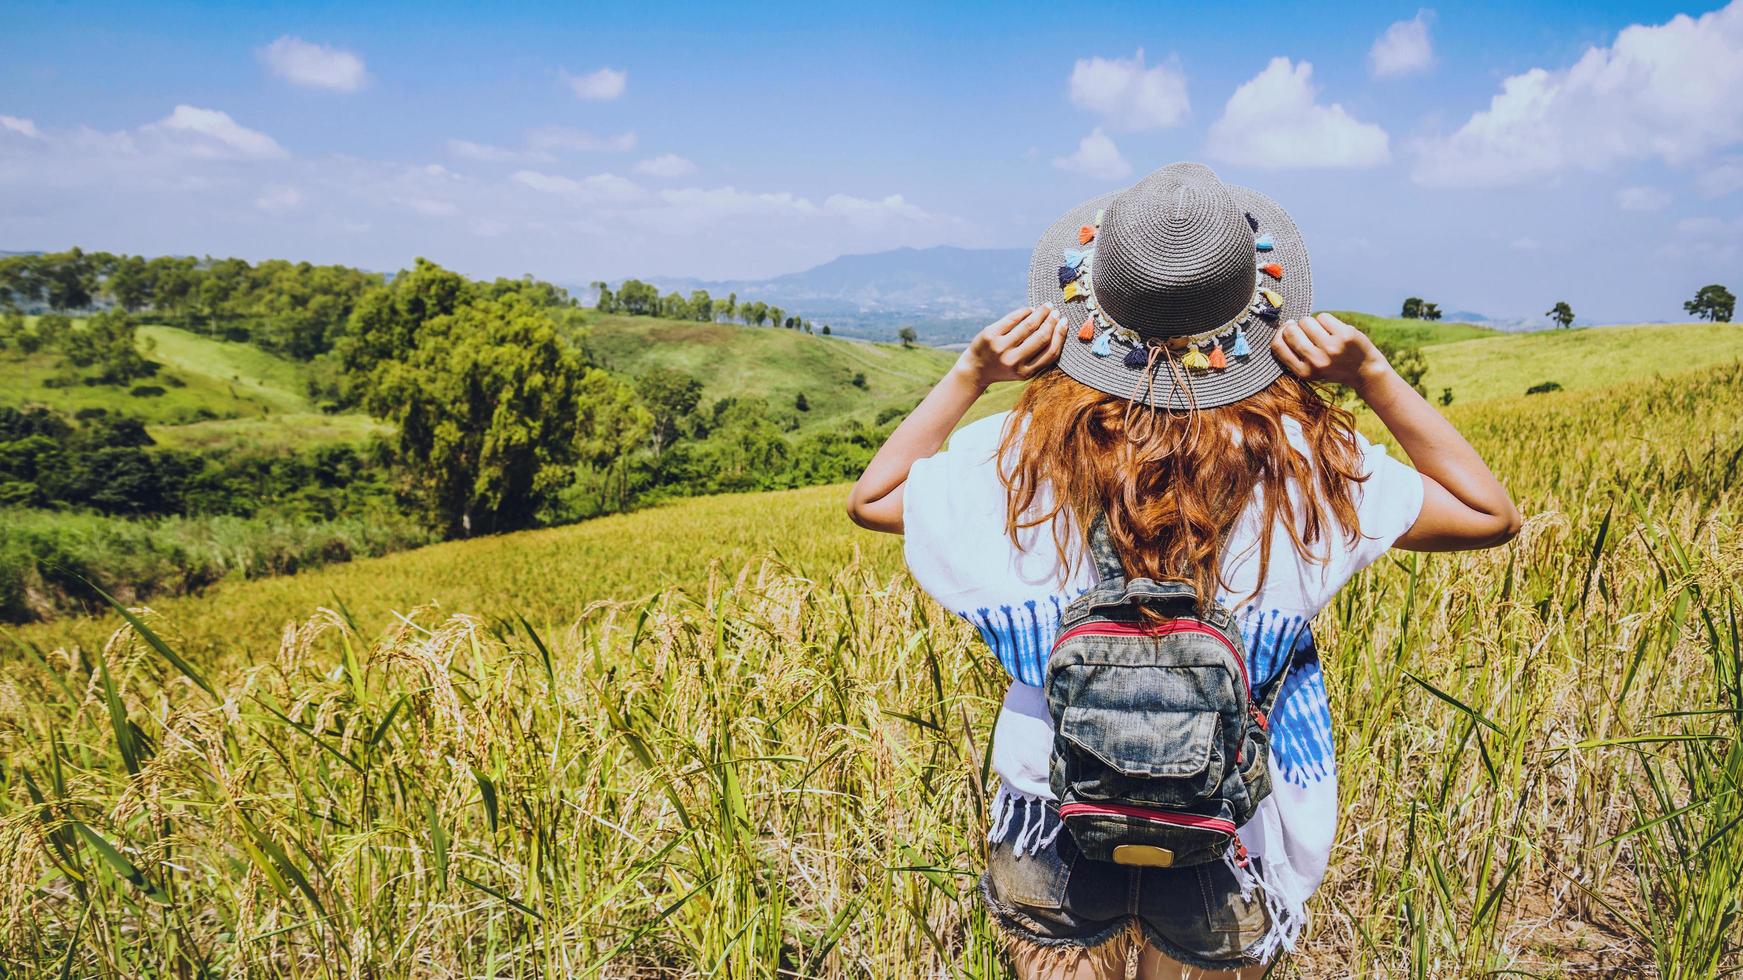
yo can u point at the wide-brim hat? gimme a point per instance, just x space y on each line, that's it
1173 288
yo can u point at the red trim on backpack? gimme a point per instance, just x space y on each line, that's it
1163 628
1191 820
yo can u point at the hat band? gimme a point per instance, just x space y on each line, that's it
1099 329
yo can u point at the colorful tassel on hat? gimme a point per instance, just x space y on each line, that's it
1240 349
1195 359
1272 269
1073 290
1086 333
1066 274
1137 358
1252 222
1100 348
1085 235
1218 360
1075 257
1264 243
1273 297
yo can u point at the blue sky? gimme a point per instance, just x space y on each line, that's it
1489 157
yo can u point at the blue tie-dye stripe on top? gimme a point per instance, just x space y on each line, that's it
1022 635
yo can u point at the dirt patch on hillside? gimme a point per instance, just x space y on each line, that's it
689 333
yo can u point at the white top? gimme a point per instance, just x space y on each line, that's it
953 514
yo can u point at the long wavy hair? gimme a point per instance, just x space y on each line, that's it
1173 484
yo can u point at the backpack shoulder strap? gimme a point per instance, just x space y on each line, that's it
1268 700
1101 551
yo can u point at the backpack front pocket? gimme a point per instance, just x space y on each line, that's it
1167 757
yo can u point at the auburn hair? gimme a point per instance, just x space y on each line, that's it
1174 483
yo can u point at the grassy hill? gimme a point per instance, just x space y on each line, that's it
1499 366
215 393
778 365
1412 333
786 764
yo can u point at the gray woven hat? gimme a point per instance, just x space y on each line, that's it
1176 286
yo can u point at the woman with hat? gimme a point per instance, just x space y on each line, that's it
1171 358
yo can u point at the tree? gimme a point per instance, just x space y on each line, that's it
701 307
109 342
486 402
776 314
670 397
1430 311
68 280
610 423
1713 302
825 330
907 336
129 285
389 321
606 303
1412 308
1561 314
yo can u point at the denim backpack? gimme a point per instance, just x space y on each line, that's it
1160 748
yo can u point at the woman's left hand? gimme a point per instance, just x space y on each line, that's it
1016 346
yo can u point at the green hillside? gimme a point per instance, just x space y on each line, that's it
1412 333
795 752
1508 364
778 365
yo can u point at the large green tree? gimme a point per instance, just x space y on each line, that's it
486 404
1561 314
1714 302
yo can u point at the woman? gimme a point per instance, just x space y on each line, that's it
1182 410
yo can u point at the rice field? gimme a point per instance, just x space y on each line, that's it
778 766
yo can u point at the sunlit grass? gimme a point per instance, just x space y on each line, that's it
731 767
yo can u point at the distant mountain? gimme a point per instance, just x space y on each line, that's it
945 293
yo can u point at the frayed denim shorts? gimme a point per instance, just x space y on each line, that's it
1052 895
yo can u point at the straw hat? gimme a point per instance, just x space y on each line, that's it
1174 288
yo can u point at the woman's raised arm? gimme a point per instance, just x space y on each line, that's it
1016 346
1463 505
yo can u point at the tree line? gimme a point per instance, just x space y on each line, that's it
503 418
636 298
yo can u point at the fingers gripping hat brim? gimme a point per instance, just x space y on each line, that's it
1163 382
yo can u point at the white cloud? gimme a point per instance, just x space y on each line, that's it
1642 199
547 138
484 152
23 127
212 133
602 85
867 212
1667 91
1128 95
1723 178
313 65
597 189
666 165
1404 48
542 145
278 199
1272 121
1096 156
687 208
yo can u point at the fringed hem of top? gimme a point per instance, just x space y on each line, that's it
1272 879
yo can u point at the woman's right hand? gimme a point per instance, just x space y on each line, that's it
1018 345
1324 348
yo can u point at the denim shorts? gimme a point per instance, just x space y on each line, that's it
1054 896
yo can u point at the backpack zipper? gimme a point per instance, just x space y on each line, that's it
1191 820
1164 629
